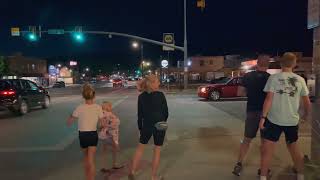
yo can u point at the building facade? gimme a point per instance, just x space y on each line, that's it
30 68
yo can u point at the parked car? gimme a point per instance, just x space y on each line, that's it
59 84
117 82
19 95
225 88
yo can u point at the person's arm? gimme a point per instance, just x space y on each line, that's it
305 100
266 108
74 116
242 89
306 106
71 120
270 89
140 113
165 108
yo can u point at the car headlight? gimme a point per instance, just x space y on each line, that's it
203 90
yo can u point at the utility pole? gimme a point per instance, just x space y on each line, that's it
186 74
314 23
315 139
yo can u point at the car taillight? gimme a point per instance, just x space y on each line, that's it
8 92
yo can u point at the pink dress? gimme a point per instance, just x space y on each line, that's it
109 127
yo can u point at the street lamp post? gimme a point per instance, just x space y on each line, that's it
185 47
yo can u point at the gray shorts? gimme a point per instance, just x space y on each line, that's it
252 124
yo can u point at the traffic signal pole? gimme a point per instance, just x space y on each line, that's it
315 135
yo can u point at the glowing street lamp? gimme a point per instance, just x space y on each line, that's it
135 45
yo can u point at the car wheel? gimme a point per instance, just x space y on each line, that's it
46 103
24 108
215 95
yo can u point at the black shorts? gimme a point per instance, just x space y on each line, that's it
272 132
88 138
158 136
252 124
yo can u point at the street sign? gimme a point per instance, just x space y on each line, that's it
164 63
55 31
15 31
168 38
313 14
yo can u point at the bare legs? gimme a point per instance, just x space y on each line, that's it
89 162
155 162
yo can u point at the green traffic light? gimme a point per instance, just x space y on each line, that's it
78 37
32 37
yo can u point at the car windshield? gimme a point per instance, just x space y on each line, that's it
222 81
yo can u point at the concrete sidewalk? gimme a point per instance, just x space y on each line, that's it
202 143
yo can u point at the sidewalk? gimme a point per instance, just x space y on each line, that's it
202 143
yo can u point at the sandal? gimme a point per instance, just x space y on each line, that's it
117 167
104 170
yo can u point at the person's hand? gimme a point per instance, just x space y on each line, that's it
261 124
69 121
304 118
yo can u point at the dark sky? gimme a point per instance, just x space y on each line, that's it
225 27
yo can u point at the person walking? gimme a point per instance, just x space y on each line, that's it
88 115
109 135
280 115
252 86
152 112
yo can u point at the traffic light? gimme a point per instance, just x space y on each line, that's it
32 34
78 35
201 4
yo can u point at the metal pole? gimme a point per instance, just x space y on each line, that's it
315 135
185 47
142 52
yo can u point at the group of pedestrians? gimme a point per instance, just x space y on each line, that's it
273 107
98 122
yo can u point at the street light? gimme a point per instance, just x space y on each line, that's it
59 65
135 45
87 69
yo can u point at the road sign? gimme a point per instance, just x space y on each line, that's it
55 31
164 63
169 39
313 14
15 31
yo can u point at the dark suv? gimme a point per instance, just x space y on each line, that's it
19 95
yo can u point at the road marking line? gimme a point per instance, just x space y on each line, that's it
58 147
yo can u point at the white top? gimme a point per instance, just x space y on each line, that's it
89 116
288 89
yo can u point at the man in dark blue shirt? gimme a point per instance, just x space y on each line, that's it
253 85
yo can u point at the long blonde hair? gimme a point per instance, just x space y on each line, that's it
148 84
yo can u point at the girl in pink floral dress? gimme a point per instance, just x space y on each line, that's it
109 133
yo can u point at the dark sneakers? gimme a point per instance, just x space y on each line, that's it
237 169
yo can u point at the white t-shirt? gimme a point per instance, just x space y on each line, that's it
288 89
89 116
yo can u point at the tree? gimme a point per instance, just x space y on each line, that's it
3 66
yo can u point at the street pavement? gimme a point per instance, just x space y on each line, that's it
201 143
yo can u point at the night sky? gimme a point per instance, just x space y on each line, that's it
224 27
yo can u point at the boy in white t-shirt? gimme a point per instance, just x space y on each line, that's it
280 114
88 115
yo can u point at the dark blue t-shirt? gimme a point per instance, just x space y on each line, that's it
254 82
